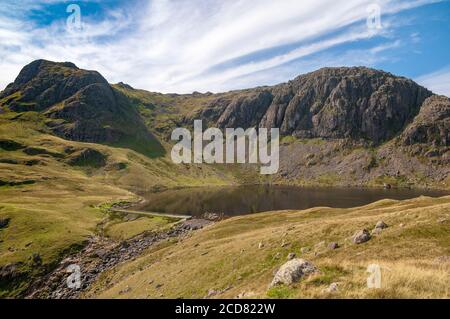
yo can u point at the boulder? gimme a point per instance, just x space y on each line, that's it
4 222
361 236
292 271
333 246
381 224
332 288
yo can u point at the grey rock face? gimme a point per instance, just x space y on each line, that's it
80 105
431 125
329 103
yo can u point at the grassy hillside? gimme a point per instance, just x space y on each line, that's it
71 145
50 189
227 258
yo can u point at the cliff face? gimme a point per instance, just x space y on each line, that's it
431 125
42 84
329 103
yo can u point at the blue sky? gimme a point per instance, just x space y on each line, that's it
216 45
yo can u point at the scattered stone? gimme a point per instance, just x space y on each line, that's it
277 256
245 295
158 286
387 186
402 225
212 293
333 246
212 216
196 224
108 253
291 256
381 225
284 244
292 271
361 236
4 222
126 290
332 288
260 245
36 259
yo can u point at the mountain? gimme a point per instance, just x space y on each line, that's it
339 126
78 105
71 145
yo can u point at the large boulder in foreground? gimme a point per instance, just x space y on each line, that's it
293 271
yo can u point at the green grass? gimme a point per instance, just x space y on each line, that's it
122 229
60 210
280 292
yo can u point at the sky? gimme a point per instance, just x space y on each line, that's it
182 46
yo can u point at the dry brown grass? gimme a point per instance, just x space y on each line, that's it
226 255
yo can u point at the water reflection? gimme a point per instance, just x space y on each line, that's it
241 200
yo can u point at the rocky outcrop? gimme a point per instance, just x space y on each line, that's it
329 103
79 105
10 145
432 125
87 157
42 84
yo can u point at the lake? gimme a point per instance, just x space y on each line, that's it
241 200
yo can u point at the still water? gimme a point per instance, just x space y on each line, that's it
240 200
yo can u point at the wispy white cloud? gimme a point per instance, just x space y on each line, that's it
438 82
182 46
